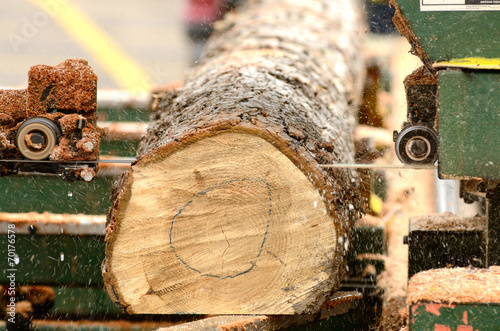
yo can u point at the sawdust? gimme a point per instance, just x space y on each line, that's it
392 319
86 147
66 94
448 222
368 110
69 86
12 102
440 286
224 323
420 76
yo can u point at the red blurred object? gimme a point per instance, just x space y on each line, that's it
203 11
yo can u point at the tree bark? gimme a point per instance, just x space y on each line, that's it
226 210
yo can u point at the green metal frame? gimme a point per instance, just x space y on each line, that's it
121 148
125 114
446 35
56 259
34 193
469 124
83 302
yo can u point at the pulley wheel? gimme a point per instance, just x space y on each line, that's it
36 138
417 145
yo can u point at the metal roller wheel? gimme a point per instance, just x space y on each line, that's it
36 138
417 145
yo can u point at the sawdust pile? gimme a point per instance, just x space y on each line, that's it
447 222
440 285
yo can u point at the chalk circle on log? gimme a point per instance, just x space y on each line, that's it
228 224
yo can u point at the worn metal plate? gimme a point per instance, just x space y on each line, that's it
447 35
469 124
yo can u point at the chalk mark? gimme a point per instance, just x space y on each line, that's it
199 194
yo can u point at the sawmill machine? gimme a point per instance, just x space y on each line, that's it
51 126
453 117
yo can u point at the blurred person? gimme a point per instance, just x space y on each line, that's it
199 18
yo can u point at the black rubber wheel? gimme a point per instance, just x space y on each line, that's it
36 138
417 145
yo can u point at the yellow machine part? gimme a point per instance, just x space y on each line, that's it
479 63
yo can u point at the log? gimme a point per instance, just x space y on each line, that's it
226 210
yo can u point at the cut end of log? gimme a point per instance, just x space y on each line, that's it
227 224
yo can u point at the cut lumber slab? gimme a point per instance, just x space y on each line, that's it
332 313
226 210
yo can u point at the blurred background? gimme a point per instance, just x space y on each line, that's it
131 45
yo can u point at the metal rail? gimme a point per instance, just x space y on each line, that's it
324 166
377 166
120 160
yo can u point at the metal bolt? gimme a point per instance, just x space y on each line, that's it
36 140
418 148
394 135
